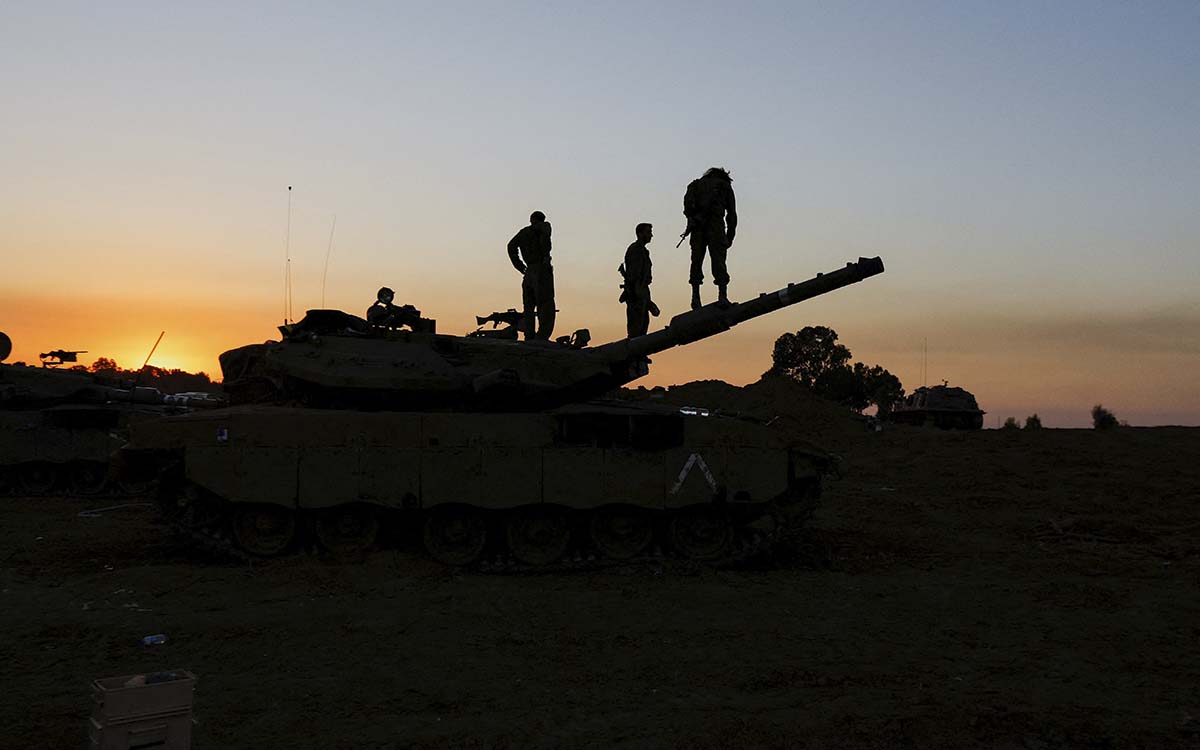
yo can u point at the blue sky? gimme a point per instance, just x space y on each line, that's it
1028 171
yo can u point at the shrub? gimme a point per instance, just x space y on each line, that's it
1033 422
1011 424
1103 419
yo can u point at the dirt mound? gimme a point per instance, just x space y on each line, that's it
797 409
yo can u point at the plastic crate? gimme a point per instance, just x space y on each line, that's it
163 732
115 703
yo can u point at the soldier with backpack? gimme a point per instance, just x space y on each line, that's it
711 215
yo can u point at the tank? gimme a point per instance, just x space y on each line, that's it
478 447
59 428
944 406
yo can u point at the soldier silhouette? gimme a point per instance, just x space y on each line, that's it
636 270
711 213
529 250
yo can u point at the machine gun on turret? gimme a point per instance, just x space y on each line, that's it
60 356
511 318
383 314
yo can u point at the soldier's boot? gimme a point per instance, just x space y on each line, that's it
696 296
722 295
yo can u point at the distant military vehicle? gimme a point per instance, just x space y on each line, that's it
487 444
59 428
944 406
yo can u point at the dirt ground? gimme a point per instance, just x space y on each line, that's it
991 589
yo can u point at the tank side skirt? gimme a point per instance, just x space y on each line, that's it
581 480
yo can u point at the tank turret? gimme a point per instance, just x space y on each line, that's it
334 359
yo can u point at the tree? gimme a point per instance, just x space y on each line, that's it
881 388
1011 424
1033 422
1103 419
813 357
104 363
808 355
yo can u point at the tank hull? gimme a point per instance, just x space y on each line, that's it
58 431
948 419
268 480
944 406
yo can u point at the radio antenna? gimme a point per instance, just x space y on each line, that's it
328 250
925 364
287 262
138 377
152 349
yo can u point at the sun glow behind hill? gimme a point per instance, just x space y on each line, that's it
1013 374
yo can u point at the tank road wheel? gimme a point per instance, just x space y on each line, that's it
455 534
134 487
347 530
701 532
620 532
190 507
88 478
263 530
538 535
37 478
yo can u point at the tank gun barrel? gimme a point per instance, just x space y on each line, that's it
713 319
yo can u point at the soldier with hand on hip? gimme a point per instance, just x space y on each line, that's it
529 250
636 270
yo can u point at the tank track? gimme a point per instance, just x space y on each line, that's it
213 538
751 548
64 480
754 551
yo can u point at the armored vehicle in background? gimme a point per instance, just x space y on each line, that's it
59 428
944 406
480 444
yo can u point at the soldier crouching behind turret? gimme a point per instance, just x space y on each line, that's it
636 270
383 314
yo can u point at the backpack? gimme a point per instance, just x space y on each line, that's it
703 198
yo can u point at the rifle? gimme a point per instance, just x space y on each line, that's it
650 306
59 356
510 317
686 232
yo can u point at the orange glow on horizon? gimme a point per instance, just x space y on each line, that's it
1060 380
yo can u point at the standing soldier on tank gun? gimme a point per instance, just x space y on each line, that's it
711 213
636 295
529 250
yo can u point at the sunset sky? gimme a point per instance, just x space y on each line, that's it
1029 172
